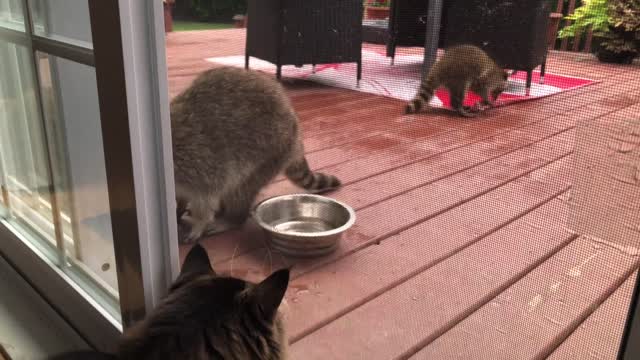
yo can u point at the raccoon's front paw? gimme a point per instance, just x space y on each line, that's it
482 105
193 236
467 111
409 109
487 104
197 229
220 226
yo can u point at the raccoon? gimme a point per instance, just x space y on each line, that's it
233 131
462 68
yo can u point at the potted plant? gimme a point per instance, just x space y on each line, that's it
623 40
377 9
615 25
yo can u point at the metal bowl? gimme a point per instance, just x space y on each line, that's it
304 225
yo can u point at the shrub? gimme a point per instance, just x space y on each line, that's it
616 22
212 9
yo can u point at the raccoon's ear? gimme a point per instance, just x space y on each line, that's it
196 264
268 294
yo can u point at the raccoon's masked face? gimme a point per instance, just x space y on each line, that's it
501 85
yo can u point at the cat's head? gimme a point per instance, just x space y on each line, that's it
206 316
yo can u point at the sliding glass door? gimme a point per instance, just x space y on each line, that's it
84 188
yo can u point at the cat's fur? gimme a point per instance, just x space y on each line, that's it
462 68
233 132
208 317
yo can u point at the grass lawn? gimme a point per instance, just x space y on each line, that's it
180 25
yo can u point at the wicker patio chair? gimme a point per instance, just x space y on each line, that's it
299 32
514 33
407 24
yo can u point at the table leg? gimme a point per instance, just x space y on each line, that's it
432 36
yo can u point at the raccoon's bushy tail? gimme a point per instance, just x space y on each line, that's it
299 173
424 95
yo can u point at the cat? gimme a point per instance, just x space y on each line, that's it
206 316
462 68
233 131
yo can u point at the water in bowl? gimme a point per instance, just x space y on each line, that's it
303 225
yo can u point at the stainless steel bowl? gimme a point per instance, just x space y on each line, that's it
304 225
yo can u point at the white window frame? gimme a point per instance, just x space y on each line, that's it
147 255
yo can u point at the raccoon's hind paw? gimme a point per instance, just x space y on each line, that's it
408 109
413 106
467 111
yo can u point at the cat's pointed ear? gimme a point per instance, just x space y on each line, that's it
197 262
268 294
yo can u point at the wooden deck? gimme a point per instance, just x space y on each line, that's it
461 249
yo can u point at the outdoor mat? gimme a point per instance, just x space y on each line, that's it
402 79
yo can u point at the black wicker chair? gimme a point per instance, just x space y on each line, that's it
407 24
299 32
514 33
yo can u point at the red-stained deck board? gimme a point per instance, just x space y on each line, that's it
428 304
462 211
464 140
378 268
598 335
356 122
532 317
435 167
380 162
441 164
442 136
318 104
481 151
411 207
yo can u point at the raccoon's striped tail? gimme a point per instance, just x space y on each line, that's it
299 173
424 95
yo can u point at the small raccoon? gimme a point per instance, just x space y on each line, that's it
462 68
233 131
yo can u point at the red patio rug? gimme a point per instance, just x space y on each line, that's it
401 80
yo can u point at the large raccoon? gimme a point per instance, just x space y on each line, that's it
233 131
462 68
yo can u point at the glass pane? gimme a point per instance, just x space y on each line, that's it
11 14
58 153
22 147
3 193
63 152
63 20
70 99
